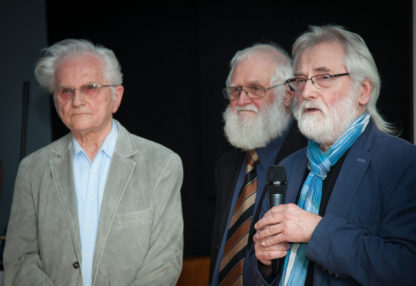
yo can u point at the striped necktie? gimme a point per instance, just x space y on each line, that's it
232 262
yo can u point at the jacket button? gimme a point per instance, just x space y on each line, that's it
75 264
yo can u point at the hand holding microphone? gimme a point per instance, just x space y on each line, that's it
277 228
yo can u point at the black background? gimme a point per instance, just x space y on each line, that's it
175 58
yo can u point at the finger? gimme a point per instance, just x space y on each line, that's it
265 254
284 246
271 240
267 231
273 216
269 255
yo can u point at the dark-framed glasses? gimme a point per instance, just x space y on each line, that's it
89 89
253 91
319 81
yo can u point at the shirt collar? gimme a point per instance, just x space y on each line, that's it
108 145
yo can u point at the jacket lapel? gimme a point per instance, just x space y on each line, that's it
61 168
347 183
297 177
228 188
119 174
351 174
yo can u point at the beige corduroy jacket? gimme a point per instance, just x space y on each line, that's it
140 233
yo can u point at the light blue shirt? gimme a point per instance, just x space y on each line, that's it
89 180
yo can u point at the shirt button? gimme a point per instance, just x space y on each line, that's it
75 264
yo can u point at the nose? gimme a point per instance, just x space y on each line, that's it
309 90
77 98
243 99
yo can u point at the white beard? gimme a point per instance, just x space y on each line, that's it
326 127
258 131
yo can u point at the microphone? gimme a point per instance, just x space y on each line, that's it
276 188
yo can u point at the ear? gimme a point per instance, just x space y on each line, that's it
117 97
288 97
366 87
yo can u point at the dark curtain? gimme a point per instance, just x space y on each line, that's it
175 57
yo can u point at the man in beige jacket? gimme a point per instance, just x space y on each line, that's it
99 206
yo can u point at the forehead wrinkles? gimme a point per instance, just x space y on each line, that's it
322 58
80 68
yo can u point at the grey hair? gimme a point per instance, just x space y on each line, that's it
46 66
358 61
271 52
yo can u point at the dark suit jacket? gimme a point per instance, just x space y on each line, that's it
226 174
368 233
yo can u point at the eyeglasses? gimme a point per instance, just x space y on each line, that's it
89 89
319 81
252 91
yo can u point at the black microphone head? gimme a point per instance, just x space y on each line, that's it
276 173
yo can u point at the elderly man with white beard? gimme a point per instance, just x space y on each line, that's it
350 211
258 123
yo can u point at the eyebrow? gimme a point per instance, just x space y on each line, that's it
249 83
316 71
67 86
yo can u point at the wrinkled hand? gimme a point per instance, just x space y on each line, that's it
279 226
265 254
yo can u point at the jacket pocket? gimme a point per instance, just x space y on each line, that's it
134 218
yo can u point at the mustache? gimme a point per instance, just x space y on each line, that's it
312 104
250 107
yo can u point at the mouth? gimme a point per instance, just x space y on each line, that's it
311 110
80 114
246 114
246 110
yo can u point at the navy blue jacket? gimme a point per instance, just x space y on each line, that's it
368 233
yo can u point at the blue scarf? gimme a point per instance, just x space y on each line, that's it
296 264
